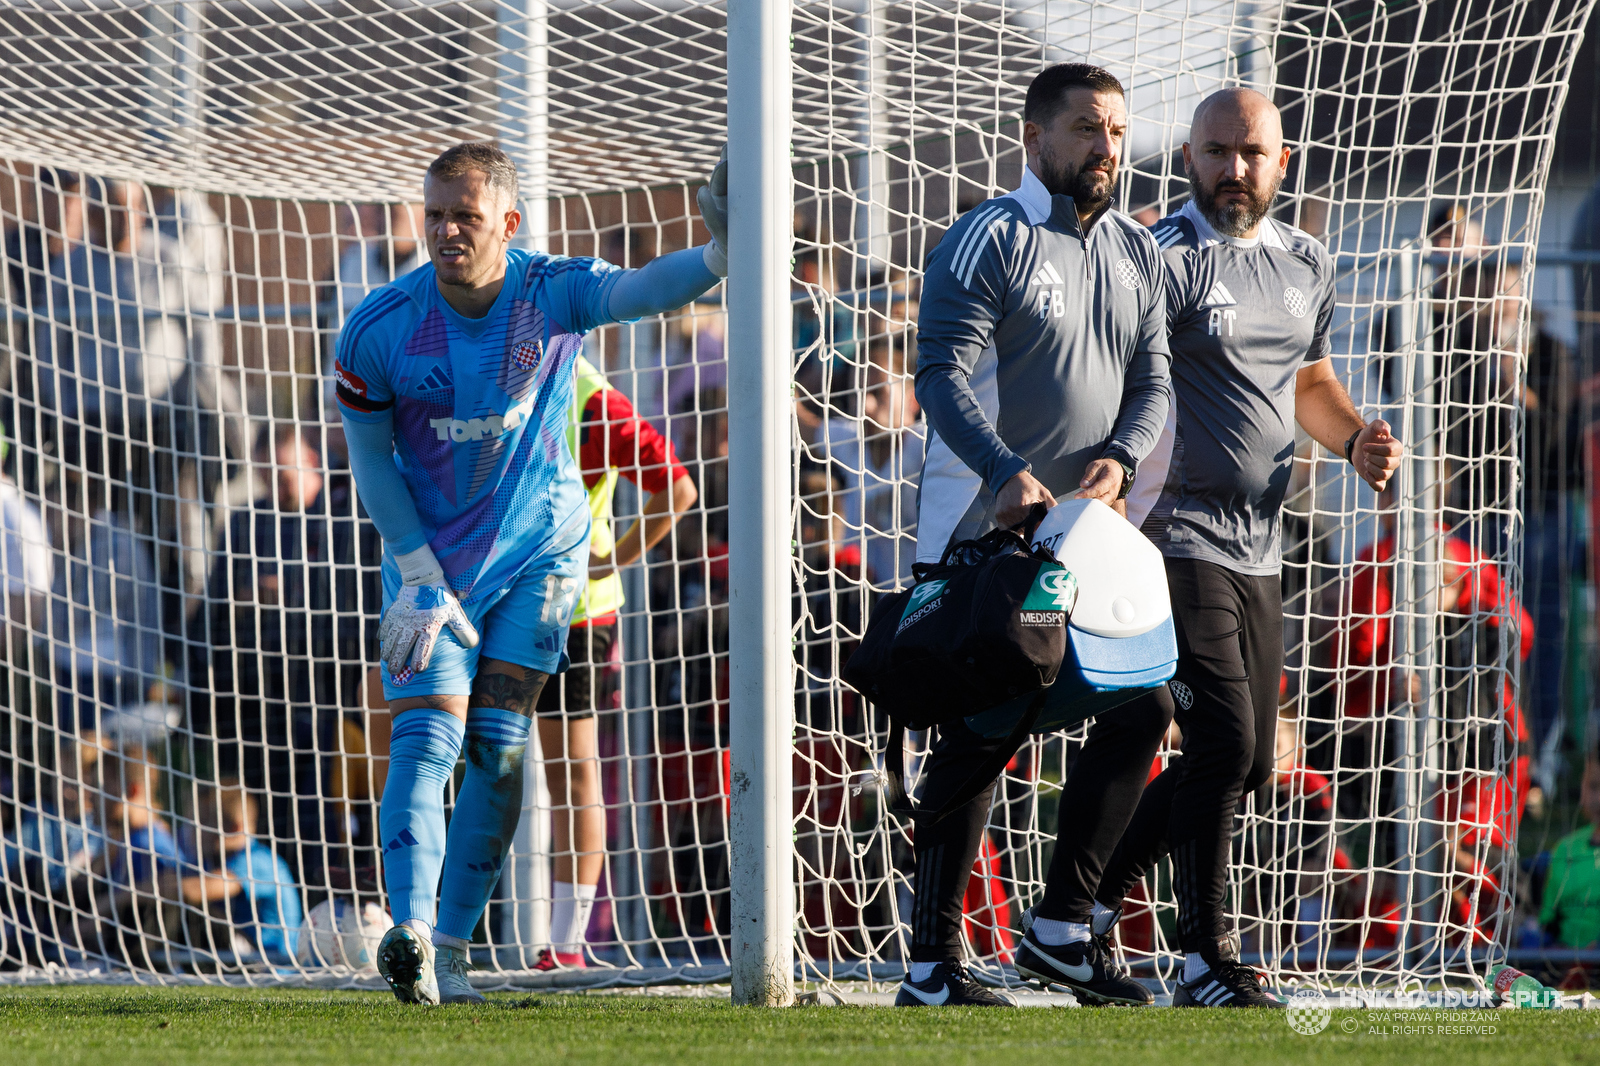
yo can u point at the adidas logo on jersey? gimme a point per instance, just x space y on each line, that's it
1219 296
1047 275
437 380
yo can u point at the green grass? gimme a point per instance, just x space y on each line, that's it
176 1027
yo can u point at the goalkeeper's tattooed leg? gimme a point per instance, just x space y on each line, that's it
507 686
490 802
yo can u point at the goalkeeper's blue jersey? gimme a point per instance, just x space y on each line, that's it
480 409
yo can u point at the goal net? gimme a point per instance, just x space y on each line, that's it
196 194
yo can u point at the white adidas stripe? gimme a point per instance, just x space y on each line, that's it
1169 238
977 251
968 238
1048 272
972 242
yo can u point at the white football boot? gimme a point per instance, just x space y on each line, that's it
451 968
405 959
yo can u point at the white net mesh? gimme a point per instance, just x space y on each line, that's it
195 194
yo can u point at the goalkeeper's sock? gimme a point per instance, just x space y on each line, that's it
1102 918
486 815
569 916
422 755
921 971
1194 967
1053 934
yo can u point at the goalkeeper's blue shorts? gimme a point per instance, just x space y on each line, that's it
524 623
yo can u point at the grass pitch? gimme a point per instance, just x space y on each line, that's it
176 1027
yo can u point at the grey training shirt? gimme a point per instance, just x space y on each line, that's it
1038 348
1245 317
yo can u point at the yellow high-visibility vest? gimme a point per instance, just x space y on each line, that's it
601 596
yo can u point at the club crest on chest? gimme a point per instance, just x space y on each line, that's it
526 355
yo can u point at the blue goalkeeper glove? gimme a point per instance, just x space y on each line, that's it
713 201
423 607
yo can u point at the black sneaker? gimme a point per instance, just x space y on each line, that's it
1086 967
1228 983
950 985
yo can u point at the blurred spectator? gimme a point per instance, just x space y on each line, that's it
143 878
262 901
283 643
1455 243
53 840
689 653
1553 485
697 372
105 616
1479 700
136 839
877 459
386 243
1571 912
1453 230
824 330
57 225
49 854
391 249
27 565
133 355
1478 348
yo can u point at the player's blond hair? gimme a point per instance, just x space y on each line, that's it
499 172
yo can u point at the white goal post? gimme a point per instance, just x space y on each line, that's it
195 194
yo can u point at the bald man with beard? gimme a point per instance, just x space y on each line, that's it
1249 306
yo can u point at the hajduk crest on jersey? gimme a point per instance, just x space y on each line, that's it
526 355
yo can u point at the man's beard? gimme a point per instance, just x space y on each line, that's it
1091 190
1235 219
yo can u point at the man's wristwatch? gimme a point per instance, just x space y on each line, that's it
1128 472
1350 447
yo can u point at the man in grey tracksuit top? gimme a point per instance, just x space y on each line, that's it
1250 306
1043 369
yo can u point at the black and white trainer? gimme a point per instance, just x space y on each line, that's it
1086 967
950 985
1228 983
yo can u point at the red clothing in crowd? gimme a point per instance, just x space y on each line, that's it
1485 806
613 435
1369 629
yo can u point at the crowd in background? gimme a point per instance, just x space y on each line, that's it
191 591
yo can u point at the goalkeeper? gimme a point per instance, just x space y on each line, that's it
455 383
1249 303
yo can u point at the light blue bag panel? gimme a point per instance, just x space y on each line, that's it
1098 674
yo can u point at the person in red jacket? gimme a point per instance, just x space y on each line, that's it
1480 802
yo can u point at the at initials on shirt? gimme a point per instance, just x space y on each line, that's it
1221 317
1052 302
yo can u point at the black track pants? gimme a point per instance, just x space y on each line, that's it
1230 660
1098 798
